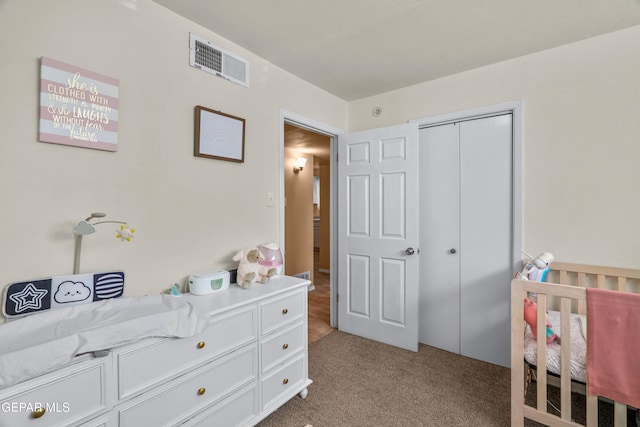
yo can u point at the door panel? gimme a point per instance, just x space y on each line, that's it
392 193
359 205
359 285
486 238
378 221
393 286
439 233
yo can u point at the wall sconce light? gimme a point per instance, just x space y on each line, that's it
300 163
85 227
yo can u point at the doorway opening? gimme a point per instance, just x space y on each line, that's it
307 212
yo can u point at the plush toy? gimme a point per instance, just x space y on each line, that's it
531 317
265 273
249 268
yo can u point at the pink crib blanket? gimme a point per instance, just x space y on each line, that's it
613 346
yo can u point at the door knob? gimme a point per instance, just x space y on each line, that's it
409 251
452 251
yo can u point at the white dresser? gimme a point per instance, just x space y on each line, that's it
250 360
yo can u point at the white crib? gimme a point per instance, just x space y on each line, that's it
564 292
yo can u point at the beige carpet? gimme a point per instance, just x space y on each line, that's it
359 382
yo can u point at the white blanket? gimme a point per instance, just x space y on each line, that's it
578 347
33 345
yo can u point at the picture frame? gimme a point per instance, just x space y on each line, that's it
218 135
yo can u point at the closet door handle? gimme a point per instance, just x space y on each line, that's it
452 251
409 251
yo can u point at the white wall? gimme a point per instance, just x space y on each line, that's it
190 214
581 140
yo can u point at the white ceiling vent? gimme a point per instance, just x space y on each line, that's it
210 58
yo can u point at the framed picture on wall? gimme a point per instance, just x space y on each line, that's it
218 135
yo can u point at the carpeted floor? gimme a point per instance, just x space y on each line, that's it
359 382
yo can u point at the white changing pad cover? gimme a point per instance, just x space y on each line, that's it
578 347
36 344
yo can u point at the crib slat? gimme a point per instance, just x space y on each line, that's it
592 410
622 284
541 357
565 359
601 279
582 304
563 277
620 414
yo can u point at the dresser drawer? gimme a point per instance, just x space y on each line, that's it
195 391
68 396
282 310
283 381
141 367
237 410
283 344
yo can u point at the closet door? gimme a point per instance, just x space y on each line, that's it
486 191
440 237
466 237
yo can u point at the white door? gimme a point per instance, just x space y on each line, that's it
466 220
486 238
440 237
378 234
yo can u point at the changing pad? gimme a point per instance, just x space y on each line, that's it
578 347
36 344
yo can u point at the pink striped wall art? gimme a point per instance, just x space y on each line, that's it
78 107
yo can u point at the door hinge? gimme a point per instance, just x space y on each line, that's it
337 297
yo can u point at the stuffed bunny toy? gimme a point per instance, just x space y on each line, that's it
249 268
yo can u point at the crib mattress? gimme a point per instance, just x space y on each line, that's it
578 347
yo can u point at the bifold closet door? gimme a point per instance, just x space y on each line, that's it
486 192
466 237
439 301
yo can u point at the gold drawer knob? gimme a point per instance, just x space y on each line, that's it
285 311
285 381
201 391
201 344
285 346
38 412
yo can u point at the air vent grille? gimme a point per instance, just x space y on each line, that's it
234 68
206 56
304 276
210 58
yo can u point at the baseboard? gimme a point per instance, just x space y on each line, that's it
324 270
